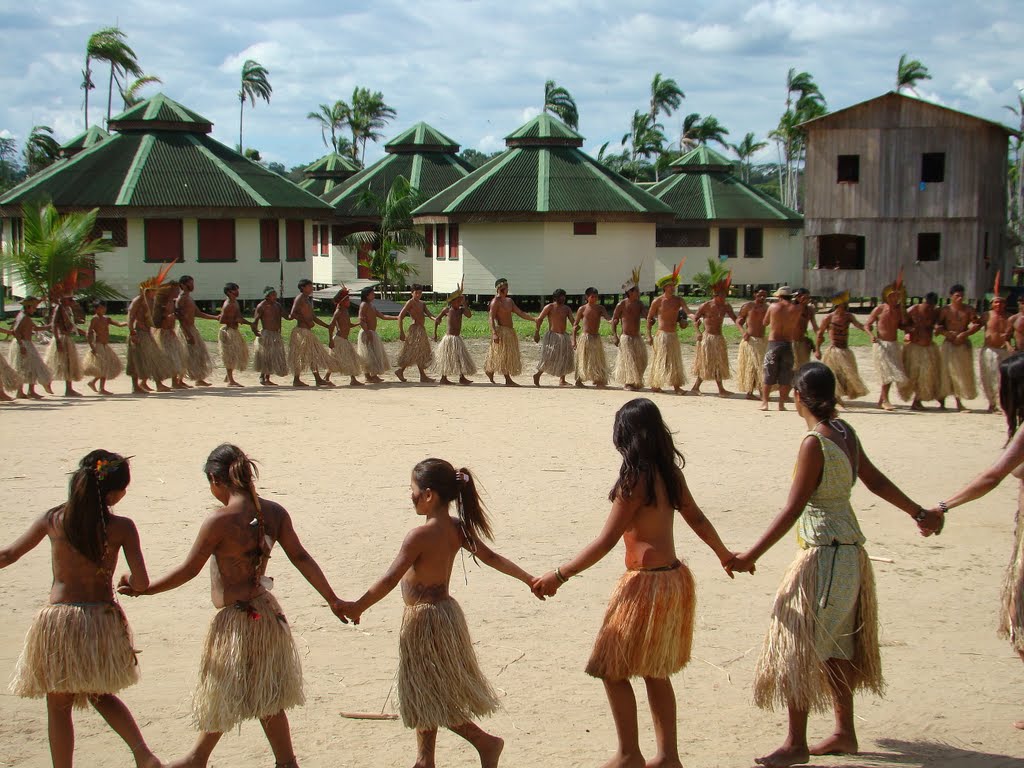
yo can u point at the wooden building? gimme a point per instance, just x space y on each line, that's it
719 216
898 182
167 191
543 214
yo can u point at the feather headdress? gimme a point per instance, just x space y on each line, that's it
671 279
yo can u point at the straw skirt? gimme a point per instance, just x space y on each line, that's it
843 364
9 378
269 357
888 356
803 348
198 364
372 356
62 359
1011 614
344 359
750 363
504 357
648 626
453 358
416 349
591 363
631 362
960 370
926 375
28 363
556 358
174 351
306 352
144 358
711 361
103 363
988 371
825 608
80 648
440 683
667 361
250 668
234 352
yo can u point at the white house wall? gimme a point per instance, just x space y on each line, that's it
342 265
782 262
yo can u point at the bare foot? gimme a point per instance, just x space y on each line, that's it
139 391
4 396
664 762
299 383
355 382
695 390
147 761
626 761
601 385
1019 725
400 375
564 383
21 395
35 396
580 384
536 379
464 381
202 383
785 756
885 405
782 406
630 387
490 377
186 762
269 383
764 407
105 391
724 393
836 744
490 751
916 406
180 385
426 379
162 387
326 383
750 396
509 382
656 390
235 384
265 384
91 385
70 392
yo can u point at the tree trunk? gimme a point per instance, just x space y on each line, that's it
88 79
110 92
241 111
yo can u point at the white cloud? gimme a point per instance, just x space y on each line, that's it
975 87
527 115
491 143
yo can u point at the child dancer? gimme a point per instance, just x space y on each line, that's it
250 667
372 356
453 358
822 643
79 650
62 353
234 352
648 627
416 346
23 355
269 356
101 362
343 354
9 378
439 681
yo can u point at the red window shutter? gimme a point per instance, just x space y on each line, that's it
316 239
270 246
440 243
428 240
216 239
164 240
295 240
584 228
453 242
325 240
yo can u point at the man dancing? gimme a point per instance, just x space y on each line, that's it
667 365
784 317
631 362
712 358
503 353
753 345
198 362
889 317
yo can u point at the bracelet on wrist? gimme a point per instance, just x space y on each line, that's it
921 516
558 575
943 506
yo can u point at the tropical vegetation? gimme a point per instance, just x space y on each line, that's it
255 85
394 235
559 102
363 117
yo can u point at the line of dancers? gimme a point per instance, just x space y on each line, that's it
820 648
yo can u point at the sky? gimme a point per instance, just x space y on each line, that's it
475 69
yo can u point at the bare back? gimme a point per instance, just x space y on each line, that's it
302 312
439 541
922 319
752 318
76 578
268 314
786 321
649 539
234 568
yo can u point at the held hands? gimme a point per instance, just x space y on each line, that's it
345 611
546 585
739 563
124 587
536 336
932 523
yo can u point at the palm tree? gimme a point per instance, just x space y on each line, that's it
394 234
108 45
1015 199
616 162
909 73
559 102
709 129
130 91
8 152
254 85
808 104
53 248
666 96
368 114
645 138
745 150
331 117
41 148
688 135
717 272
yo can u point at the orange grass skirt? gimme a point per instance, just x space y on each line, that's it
648 627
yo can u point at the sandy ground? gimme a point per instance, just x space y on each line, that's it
339 461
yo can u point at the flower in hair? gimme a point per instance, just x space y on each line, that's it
104 467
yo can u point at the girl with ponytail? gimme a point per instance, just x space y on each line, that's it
250 668
440 683
79 648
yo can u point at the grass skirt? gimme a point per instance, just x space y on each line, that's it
926 375
144 360
790 670
372 356
504 357
307 353
269 357
667 363
84 649
591 363
174 351
28 364
63 361
960 370
9 378
440 683
988 371
198 364
888 357
648 627
250 667
103 363
556 358
803 348
453 358
711 362
1011 615
631 362
750 363
234 352
849 384
344 359
416 349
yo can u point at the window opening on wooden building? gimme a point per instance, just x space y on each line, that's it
584 227
295 240
933 167
682 237
753 243
453 242
270 246
115 231
841 252
216 240
164 240
929 246
428 241
727 242
848 169
440 243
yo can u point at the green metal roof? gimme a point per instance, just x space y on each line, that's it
323 176
421 138
428 171
535 177
703 158
175 169
163 110
700 194
94 135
